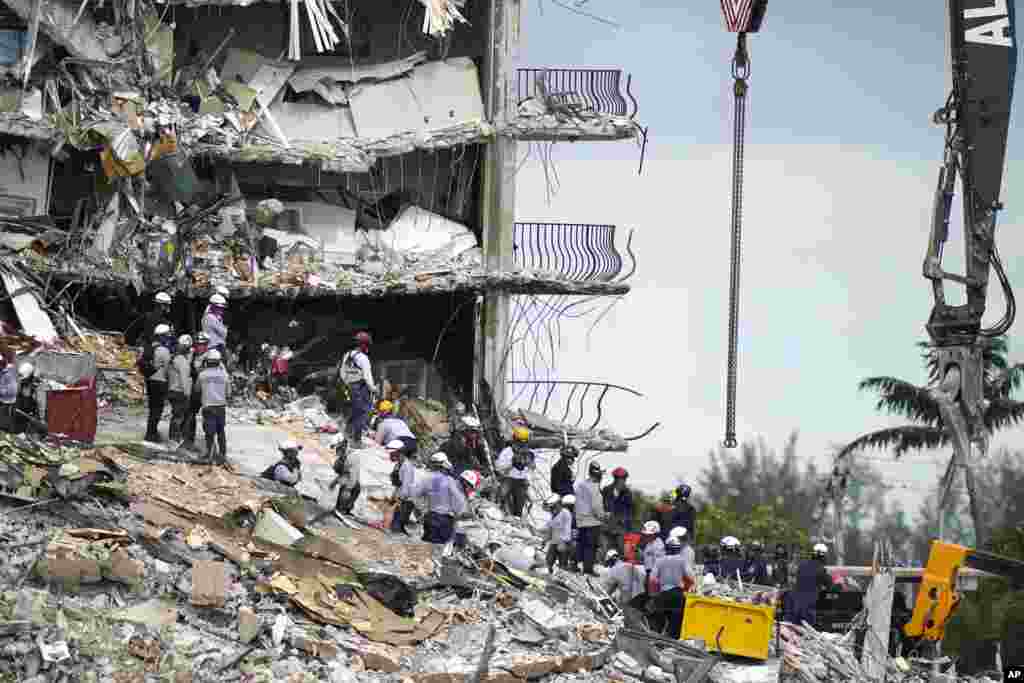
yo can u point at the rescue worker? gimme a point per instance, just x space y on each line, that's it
780 567
346 466
213 323
686 549
756 569
355 371
590 516
200 345
653 547
811 579
712 560
179 388
673 575
623 580
732 563
683 513
558 530
470 481
391 428
160 315
618 502
215 388
8 391
287 470
663 514
405 476
465 446
514 464
156 385
28 398
562 476
445 501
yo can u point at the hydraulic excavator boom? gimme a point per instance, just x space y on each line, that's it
976 116
937 598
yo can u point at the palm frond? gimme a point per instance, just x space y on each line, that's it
900 439
898 397
1003 413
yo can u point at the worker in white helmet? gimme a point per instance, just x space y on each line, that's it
215 389
179 387
287 470
156 363
558 531
213 322
811 579
445 500
27 405
653 547
403 478
686 548
159 315
623 580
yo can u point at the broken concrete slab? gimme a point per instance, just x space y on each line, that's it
249 624
209 583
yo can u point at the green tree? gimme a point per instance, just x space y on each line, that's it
918 406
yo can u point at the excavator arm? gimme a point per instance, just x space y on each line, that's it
976 116
937 597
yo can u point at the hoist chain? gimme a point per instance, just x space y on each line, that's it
740 73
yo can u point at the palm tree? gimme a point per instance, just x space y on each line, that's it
916 404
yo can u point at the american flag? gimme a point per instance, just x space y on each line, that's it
737 14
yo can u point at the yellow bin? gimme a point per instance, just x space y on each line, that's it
741 629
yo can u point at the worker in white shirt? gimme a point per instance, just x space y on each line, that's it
653 546
405 478
559 532
356 373
623 580
391 427
514 465
686 549
445 501
673 576
346 466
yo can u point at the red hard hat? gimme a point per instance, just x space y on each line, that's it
363 338
620 472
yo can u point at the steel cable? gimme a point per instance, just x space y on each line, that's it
740 71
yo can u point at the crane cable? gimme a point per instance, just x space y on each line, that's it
740 73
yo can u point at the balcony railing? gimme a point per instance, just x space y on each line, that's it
581 91
576 251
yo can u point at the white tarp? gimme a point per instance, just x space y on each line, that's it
417 232
34 320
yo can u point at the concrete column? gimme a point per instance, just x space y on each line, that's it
498 195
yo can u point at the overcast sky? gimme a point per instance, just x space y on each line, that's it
841 168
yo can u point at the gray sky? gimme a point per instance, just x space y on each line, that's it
841 168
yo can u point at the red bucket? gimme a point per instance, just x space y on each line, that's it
630 547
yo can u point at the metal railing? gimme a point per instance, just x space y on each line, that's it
583 91
543 393
577 251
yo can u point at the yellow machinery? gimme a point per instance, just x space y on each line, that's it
727 627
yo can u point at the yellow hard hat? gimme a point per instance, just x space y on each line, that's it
385 406
521 434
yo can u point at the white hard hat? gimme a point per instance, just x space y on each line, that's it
652 528
553 499
162 330
202 337
730 541
288 445
471 422
611 555
438 458
673 541
218 300
25 370
184 340
213 354
162 298
223 291
821 549
569 500
395 445
677 532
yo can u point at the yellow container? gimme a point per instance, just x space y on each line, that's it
743 630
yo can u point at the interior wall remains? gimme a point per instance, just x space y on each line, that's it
24 179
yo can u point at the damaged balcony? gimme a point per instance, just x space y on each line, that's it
572 104
577 252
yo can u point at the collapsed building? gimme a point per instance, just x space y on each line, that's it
335 167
